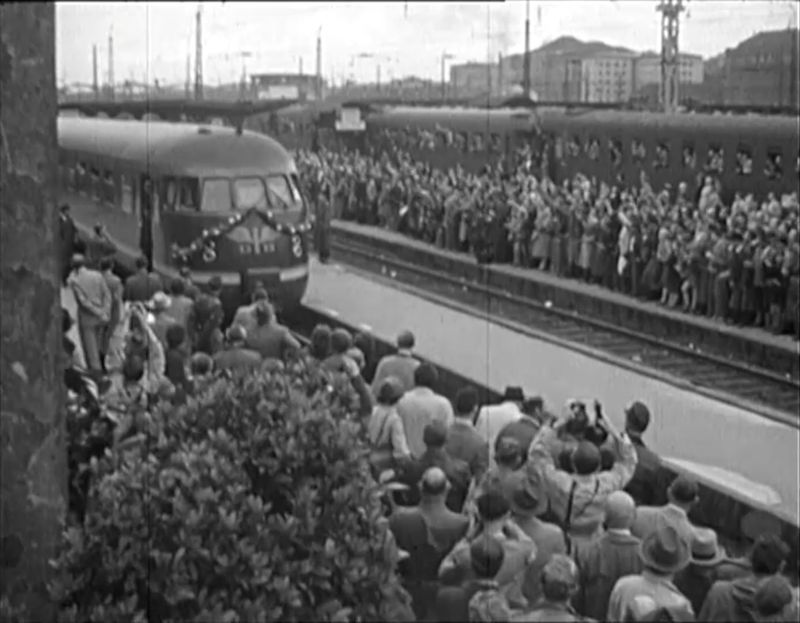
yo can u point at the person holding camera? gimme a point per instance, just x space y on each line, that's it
577 499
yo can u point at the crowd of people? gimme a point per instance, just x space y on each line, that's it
738 263
502 512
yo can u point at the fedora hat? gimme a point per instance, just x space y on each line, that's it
706 552
664 550
514 394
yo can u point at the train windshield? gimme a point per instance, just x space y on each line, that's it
249 193
216 195
283 193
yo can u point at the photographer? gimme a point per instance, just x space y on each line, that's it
577 499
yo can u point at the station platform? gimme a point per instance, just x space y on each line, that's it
728 448
778 353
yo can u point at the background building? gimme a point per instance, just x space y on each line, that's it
647 69
283 86
472 79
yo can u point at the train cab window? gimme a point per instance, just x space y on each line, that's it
744 160
774 167
216 195
248 192
662 156
689 157
282 193
715 162
188 194
593 149
615 152
638 151
574 147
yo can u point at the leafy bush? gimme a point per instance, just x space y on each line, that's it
252 503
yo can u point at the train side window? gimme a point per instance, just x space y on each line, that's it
281 193
216 195
638 151
461 141
662 156
249 192
689 156
127 203
574 147
170 195
744 160
558 149
593 149
774 167
495 142
109 188
476 142
716 159
96 184
615 152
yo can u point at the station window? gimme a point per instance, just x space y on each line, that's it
715 162
216 195
615 152
638 151
593 149
744 160
282 193
248 192
689 156
662 156
774 167
574 147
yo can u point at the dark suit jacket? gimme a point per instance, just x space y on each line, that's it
466 444
601 564
648 486
141 287
523 430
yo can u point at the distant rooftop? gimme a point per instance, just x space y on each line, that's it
769 39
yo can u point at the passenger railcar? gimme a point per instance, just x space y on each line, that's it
748 154
223 202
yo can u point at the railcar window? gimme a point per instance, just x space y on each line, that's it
774 167
281 193
248 192
574 147
216 196
638 151
593 149
689 157
476 142
109 188
615 152
188 193
744 161
127 194
662 156
715 161
558 149
495 142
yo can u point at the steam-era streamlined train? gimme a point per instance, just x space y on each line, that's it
222 202
748 153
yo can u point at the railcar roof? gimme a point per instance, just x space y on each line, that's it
473 117
176 148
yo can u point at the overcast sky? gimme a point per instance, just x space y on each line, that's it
152 40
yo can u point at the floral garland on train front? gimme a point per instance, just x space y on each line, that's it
207 241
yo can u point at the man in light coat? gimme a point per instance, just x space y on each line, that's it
94 310
422 406
494 418
401 365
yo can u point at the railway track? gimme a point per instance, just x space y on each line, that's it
700 369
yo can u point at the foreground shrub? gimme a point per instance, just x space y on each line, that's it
252 503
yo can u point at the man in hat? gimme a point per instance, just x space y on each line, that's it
709 563
269 338
682 495
400 365
94 304
734 600
526 504
559 582
245 315
494 418
236 356
663 553
613 556
141 285
647 485
205 321
463 441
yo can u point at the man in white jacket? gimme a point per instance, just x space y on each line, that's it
493 418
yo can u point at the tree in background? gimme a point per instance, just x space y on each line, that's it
32 444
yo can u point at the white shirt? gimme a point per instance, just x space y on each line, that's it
492 419
418 408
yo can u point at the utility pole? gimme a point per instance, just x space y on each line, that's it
670 63
198 54
319 64
188 84
95 86
300 66
111 65
526 60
